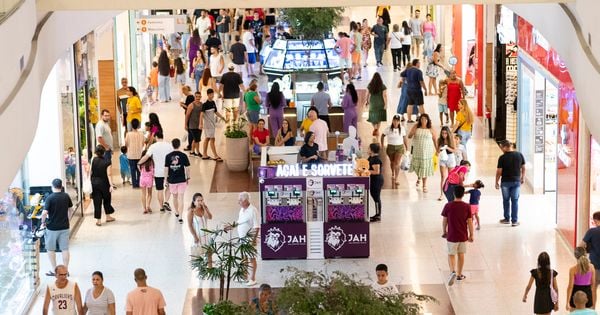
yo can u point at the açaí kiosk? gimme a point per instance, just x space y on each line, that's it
313 211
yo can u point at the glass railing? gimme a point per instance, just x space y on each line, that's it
7 7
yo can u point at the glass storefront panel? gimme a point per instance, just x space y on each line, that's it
594 178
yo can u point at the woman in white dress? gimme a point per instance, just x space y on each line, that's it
197 216
99 300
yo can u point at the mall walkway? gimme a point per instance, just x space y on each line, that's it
407 240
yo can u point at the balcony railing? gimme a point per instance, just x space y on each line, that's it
7 7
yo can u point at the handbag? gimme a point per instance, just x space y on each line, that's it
443 156
432 70
435 161
553 293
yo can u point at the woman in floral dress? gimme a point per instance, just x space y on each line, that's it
366 41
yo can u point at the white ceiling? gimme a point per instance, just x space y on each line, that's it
55 5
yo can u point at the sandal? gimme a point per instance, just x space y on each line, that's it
146 211
218 159
98 224
110 220
440 198
205 157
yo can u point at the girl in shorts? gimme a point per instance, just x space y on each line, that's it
443 101
396 146
474 201
208 124
445 143
146 181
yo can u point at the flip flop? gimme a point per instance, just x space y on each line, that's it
218 159
146 212
206 157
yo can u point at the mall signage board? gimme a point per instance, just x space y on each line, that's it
346 239
321 170
161 24
283 241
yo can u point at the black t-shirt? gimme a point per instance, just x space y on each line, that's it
238 50
374 160
99 177
223 28
510 163
231 84
208 105
176 161
57 205
257 27
188 100
308 151
212 42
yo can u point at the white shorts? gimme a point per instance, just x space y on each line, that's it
457 248
345 63
450 162
231 102
238 68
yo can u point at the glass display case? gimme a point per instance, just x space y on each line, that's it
289 56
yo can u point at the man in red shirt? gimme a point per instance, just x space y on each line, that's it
457 229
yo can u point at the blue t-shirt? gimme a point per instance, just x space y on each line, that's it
414 76
475 195
124 162
586 311
592 240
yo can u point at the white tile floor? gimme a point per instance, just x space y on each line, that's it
408 239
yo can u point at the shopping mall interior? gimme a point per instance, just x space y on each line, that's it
527 73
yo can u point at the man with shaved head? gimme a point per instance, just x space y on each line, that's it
144 300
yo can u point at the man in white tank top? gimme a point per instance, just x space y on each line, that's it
64 294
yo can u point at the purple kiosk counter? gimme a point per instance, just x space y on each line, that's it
313 212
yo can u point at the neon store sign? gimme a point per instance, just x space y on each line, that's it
304 170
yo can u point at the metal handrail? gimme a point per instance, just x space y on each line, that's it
584 44
10 12
30 61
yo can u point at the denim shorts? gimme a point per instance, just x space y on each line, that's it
253 116
60 237
443 108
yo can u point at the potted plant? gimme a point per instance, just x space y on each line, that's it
236 145
231 253
312 23
312 292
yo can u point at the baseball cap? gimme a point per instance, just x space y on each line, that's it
231 66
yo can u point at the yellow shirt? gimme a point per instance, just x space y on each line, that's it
93 108
134 109
305 126
460 117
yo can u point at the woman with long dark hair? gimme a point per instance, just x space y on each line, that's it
349 105
285 137
433 69
193 46
275 103
164 67
134 107
406 42
199 64
445 142
309 152
544 277
377 102
102 186
155 127
375 179
179 72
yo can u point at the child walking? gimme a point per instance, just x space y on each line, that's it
146 181
124 163
475 194
443 101
544 277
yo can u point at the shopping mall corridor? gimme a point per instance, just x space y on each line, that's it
408 239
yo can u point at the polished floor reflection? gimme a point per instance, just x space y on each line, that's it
407 239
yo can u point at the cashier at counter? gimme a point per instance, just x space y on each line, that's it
309 153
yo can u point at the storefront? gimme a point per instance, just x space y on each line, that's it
548 127
54 153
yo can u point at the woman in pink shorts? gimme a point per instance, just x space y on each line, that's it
475 194
146 182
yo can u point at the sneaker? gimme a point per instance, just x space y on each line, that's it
250 283
451 278
395 70
460 278
504 221
180 221
162 209
166 206
375 218
358 78
187 149
515 224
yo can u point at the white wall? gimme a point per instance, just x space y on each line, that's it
18 123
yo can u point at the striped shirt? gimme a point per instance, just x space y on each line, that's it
134 141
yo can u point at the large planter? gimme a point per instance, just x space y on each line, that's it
237 154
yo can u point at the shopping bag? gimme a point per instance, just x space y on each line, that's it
405 164
435 161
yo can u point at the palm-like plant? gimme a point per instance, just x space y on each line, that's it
232 255
235 128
